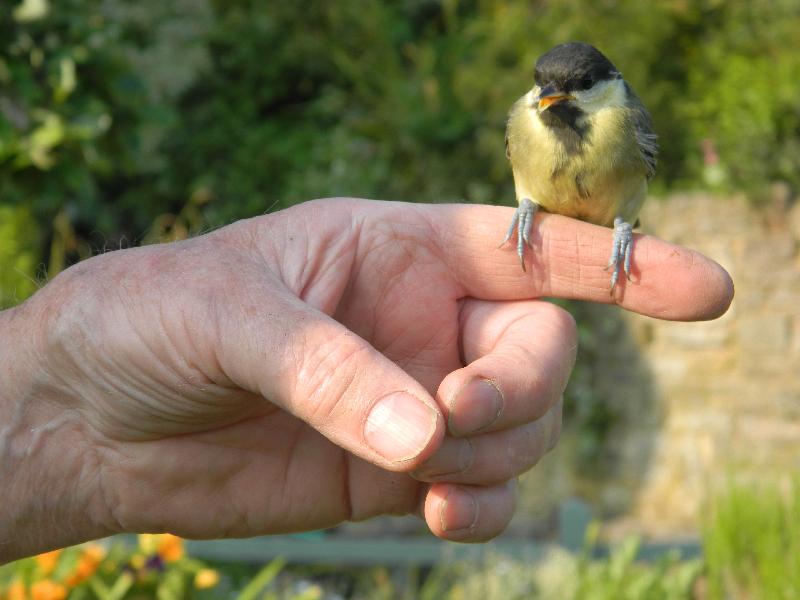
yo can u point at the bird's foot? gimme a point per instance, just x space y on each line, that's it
522 223
621 252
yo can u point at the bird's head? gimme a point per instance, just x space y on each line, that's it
574 81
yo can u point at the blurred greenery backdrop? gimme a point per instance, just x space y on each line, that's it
123 122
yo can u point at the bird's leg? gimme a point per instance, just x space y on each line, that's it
621 251
522 221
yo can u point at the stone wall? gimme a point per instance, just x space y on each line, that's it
696 403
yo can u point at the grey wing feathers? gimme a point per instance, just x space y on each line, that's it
645 136
649 149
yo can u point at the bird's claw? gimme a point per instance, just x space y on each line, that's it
522 222
621 251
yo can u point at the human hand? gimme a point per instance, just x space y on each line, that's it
223 386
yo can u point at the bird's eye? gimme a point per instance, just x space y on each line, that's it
586 82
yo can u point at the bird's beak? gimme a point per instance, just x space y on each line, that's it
550 96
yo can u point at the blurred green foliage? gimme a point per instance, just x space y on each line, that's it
117 112
752 541
751 549
564 576
19 236
121 572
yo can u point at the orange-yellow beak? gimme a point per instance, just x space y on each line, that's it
549 100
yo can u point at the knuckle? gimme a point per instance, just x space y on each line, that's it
344 357
562 322
527 446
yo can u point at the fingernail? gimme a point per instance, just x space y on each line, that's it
459 511
476 406
453 457
400 426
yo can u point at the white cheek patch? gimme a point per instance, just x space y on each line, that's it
530 97
604 94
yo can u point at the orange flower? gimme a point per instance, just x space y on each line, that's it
90 559
48 561
206 578
16 591
48 590
94 553
170 547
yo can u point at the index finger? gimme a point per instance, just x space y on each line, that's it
568 259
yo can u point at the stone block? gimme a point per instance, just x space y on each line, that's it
793 220
751 295
701 421
708 334
759 426
767 333
795 341
669 369
765 252
785 297
768 368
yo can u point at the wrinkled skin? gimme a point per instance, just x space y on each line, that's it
221 386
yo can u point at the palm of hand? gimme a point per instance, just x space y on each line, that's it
264 470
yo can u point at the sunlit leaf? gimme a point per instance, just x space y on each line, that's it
31 10
67 79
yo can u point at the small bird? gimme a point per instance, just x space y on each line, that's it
581 144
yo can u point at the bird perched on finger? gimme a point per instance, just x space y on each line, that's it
581 144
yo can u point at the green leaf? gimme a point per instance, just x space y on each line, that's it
172 587
262 579
67 80
121 586
100 589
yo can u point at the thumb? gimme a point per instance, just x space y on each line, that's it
315 368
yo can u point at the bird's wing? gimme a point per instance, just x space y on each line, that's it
646 138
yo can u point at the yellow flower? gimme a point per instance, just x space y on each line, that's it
138 561
16 591
47 561
89 560
48 590
170 547
148 542
206 578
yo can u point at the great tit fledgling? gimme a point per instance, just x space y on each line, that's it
581 144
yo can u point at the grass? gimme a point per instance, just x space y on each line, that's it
751 542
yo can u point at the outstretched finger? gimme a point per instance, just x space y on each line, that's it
568 259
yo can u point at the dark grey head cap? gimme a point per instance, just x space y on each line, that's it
574 66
